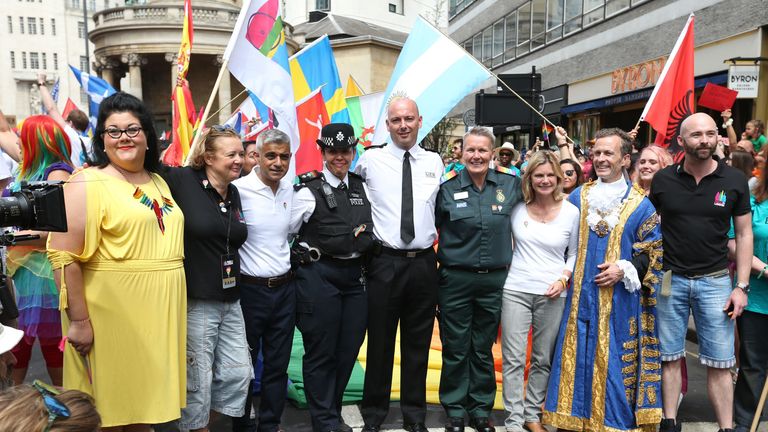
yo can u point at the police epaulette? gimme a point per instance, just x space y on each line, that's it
375 146
449 175
505 170
309 176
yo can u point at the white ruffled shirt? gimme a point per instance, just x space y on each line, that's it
608 199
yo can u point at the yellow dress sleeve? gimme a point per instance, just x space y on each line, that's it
94 207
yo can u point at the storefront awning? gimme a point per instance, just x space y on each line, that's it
637 95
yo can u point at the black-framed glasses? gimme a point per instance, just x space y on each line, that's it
116 133
570 172
56 409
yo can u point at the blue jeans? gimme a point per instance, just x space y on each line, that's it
705 297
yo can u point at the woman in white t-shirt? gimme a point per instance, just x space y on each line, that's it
545 231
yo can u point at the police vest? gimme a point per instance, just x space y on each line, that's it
344 229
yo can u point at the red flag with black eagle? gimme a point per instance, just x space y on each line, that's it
672 98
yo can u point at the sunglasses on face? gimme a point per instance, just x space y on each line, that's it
116 133
55 408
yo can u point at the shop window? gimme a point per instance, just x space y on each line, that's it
523 29
510 43
613 7
594 11
538 23
498 42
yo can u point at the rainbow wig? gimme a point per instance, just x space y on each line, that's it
43 143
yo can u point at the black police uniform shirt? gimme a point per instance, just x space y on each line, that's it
205 232
695 219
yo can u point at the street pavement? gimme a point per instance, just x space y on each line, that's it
695 410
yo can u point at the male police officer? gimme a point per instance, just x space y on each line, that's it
332 308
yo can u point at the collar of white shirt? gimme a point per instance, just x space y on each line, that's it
332 179
259 185
399 152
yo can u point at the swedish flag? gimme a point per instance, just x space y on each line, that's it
313 67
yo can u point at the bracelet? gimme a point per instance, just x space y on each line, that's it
86 319
564 281
728 123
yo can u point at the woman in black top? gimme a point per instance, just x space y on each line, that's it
218 361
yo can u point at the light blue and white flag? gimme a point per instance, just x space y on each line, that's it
54 96
97 89
434 71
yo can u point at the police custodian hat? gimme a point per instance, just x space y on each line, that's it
337 135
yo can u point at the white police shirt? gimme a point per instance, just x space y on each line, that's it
382 169
267 215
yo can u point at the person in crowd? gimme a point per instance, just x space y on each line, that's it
696 200
219 368
39 407
44 156
652 159
508 157
572 176
402 180
267 288
75 125
472 213
606 368
334 213
565 146
745 163
754 131
545 229
249 161
120 272
9 337
10 145
751 325
456 152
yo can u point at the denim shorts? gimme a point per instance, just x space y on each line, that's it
705 297
219 369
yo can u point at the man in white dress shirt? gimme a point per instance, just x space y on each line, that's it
267 293
403 180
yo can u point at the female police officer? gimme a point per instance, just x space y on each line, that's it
332 305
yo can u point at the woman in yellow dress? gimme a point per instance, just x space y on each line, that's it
121 276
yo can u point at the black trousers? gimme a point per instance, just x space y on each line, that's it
753 358
405 290
332 312
270 315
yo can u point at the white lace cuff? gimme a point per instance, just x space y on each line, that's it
631 280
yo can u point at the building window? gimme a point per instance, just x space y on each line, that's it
396 6
42 26
83 96
510 42
81 30
497 56
34 60
456 6
23 60
45 61
594 11
55 61
323 5
487 45
84 64
53 26
554 20
538 23
13 60
75 4
10 25
32 25
612 7
92 5
477 46
524 29
21 25
572 19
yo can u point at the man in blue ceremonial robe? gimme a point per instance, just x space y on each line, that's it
606 372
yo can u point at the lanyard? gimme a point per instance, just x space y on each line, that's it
222 208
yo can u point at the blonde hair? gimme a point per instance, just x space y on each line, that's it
22 409
536 160
197 158
663 156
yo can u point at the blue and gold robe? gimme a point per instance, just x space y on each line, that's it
606 371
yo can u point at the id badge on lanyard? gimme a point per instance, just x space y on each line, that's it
229 271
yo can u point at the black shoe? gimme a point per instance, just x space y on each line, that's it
370 428
416 427
455 424
669 425
725 430
343 427
481 424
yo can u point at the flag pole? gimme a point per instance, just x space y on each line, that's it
546 120
199 131
226 105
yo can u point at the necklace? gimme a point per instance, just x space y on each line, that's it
141 196
604 209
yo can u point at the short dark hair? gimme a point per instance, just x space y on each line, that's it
626 140
78 119
124 102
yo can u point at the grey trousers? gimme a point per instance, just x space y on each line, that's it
520 311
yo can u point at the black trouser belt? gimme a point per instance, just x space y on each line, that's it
407 253
722 272
271 282
477 270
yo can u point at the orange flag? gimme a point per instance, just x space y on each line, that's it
311 116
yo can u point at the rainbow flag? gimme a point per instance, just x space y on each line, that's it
546 129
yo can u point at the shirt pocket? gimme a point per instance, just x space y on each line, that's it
457 214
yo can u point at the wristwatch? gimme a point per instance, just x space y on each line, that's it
744 287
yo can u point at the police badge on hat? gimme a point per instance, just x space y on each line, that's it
337 135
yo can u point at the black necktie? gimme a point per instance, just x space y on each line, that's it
406 216
342 186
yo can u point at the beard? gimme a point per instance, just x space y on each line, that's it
697 151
